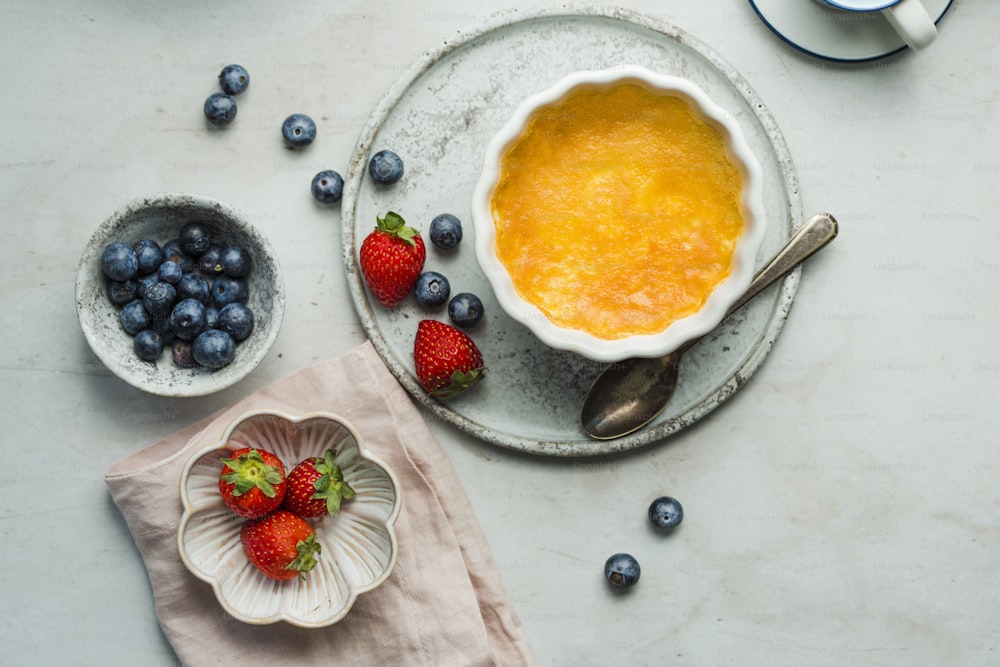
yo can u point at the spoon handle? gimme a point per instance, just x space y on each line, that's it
814 233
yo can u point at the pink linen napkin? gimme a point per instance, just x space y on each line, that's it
444 603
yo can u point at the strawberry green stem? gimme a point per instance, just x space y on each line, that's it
394 225
249 471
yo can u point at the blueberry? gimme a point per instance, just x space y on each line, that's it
159 298
208 263
194 286
195 239
148 345
170 272
385 167
299 130
226 290
183 354
235 261
173 251
446 231
465 309
118 262
236 320
121 293
134 317
234 79
211 317
622 570
149 254
213 348
143 282
327 187
187 319
220 109
161 324
431 289
665 512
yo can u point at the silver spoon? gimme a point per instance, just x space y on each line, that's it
628 395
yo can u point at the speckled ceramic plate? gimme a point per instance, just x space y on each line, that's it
439 116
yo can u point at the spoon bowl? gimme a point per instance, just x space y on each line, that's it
629 394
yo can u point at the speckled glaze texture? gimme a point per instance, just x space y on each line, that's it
439 117
160 217
359 544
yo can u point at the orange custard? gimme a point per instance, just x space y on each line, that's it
617 211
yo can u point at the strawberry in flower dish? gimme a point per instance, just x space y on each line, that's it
316 487
252 482
282 545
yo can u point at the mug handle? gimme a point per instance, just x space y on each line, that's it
910 19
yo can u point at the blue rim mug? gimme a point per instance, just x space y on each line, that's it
909 18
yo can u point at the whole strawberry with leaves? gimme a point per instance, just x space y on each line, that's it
252 482
316 487
447 361
391 258
282 545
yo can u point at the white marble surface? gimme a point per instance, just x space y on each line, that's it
842 508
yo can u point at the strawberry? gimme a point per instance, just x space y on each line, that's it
282 545
391 258
252 482
446 359
316 487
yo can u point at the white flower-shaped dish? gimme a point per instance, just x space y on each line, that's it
359 544
724 295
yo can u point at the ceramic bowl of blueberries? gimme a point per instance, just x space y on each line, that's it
179 295
618 213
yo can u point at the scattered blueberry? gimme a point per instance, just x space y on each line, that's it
385 167
148 345
194 239
208 263
226 290
170 272
220 109
622 570
213 348
234 79
446 231
183 354
173 251
327 187
465 309
118 262
194 286
159 298
235 262
236 320
187 319
299 130
149 254
134 317
120 293
666 512
431 289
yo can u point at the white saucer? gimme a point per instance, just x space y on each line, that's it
833 34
